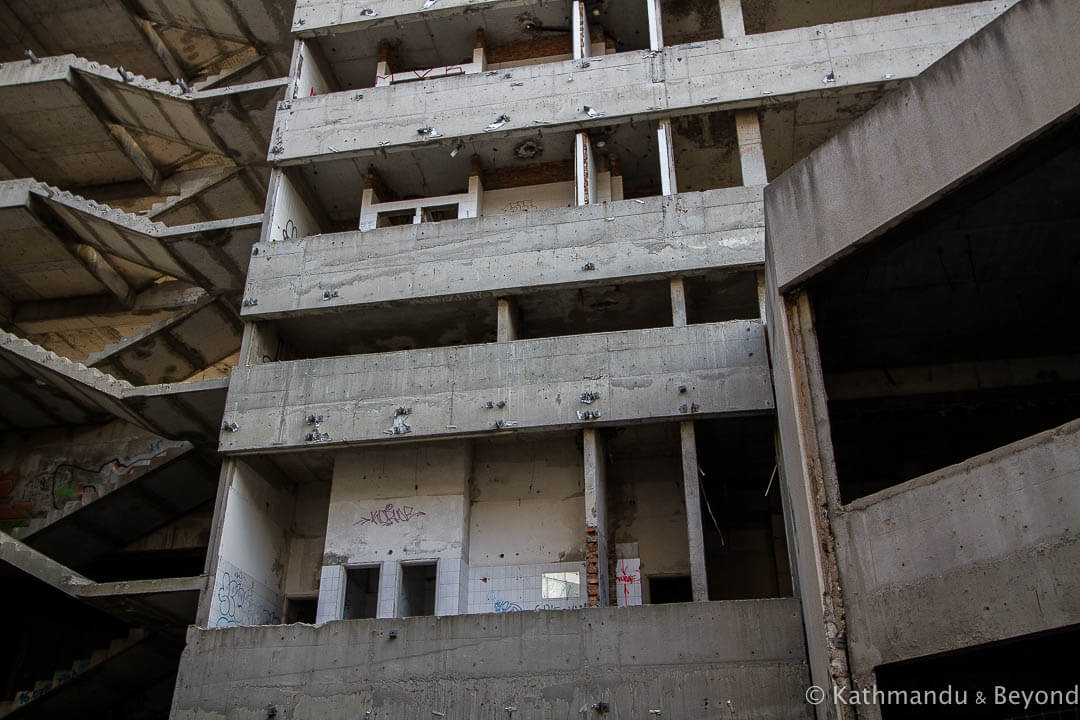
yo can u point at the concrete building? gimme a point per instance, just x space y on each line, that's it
588 358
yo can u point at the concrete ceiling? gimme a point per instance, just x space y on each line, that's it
72 123
155 38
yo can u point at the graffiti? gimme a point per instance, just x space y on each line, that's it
628 580
553 606
236 603
390 515
290 232
69 481
505 606
519 206
10 508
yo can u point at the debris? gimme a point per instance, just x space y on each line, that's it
428 131
400 427
517 84
428 3
610 219
498 123
34 59
588 414
650 54
589 397
582 64
358 96
383 143
830 78
230 426
503 424
329 294
316 436
331 148
301 21
653 107
457 149
592 112
588 266
639 201
889 76
184 86
368 12
277 149
250 302
507 76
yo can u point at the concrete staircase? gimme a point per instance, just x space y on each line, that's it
65 676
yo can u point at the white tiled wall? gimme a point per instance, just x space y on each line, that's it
331 594
512 588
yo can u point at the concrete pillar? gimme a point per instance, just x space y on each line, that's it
596 540
761 297
668 184
678 302
731 18
692 494
580 27
751 150
507 320
584 170
656 25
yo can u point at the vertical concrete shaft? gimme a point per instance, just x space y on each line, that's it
731 18
668 185
507 320
584 170
580 31
678 302
761 294
692 494
751 149
656 25
596 543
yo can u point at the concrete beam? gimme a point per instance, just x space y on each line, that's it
669 184
596 530
927 137
731 18
45 316
637 373
692 495
719 74
102 269
654 236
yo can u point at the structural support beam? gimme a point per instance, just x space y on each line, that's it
138 157
7 311
751 149
596 541
656 25
99 266
678 302
176 70
584 170
731 18
580 28
692 493
507 320
668 184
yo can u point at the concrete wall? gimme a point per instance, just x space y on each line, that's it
697 660
726 73
49 473
944 127
980 551
654 236
253 550
637 373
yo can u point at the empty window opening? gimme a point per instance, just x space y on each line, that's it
381 328
942 339
560 585
646 509
745 541
665 589
722 296
762 17
706 151
594 309
1030 664
417 590
361 593
301 610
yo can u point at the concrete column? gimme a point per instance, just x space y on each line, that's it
584 170
678 302
668 184
761 297
731 18
507 320
751 150
596 540
692 494
580 27
656 25
259 344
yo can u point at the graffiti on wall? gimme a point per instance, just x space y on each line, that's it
69 481
13 511
238 602
390 515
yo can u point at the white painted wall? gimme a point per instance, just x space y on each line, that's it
253 551
291 219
